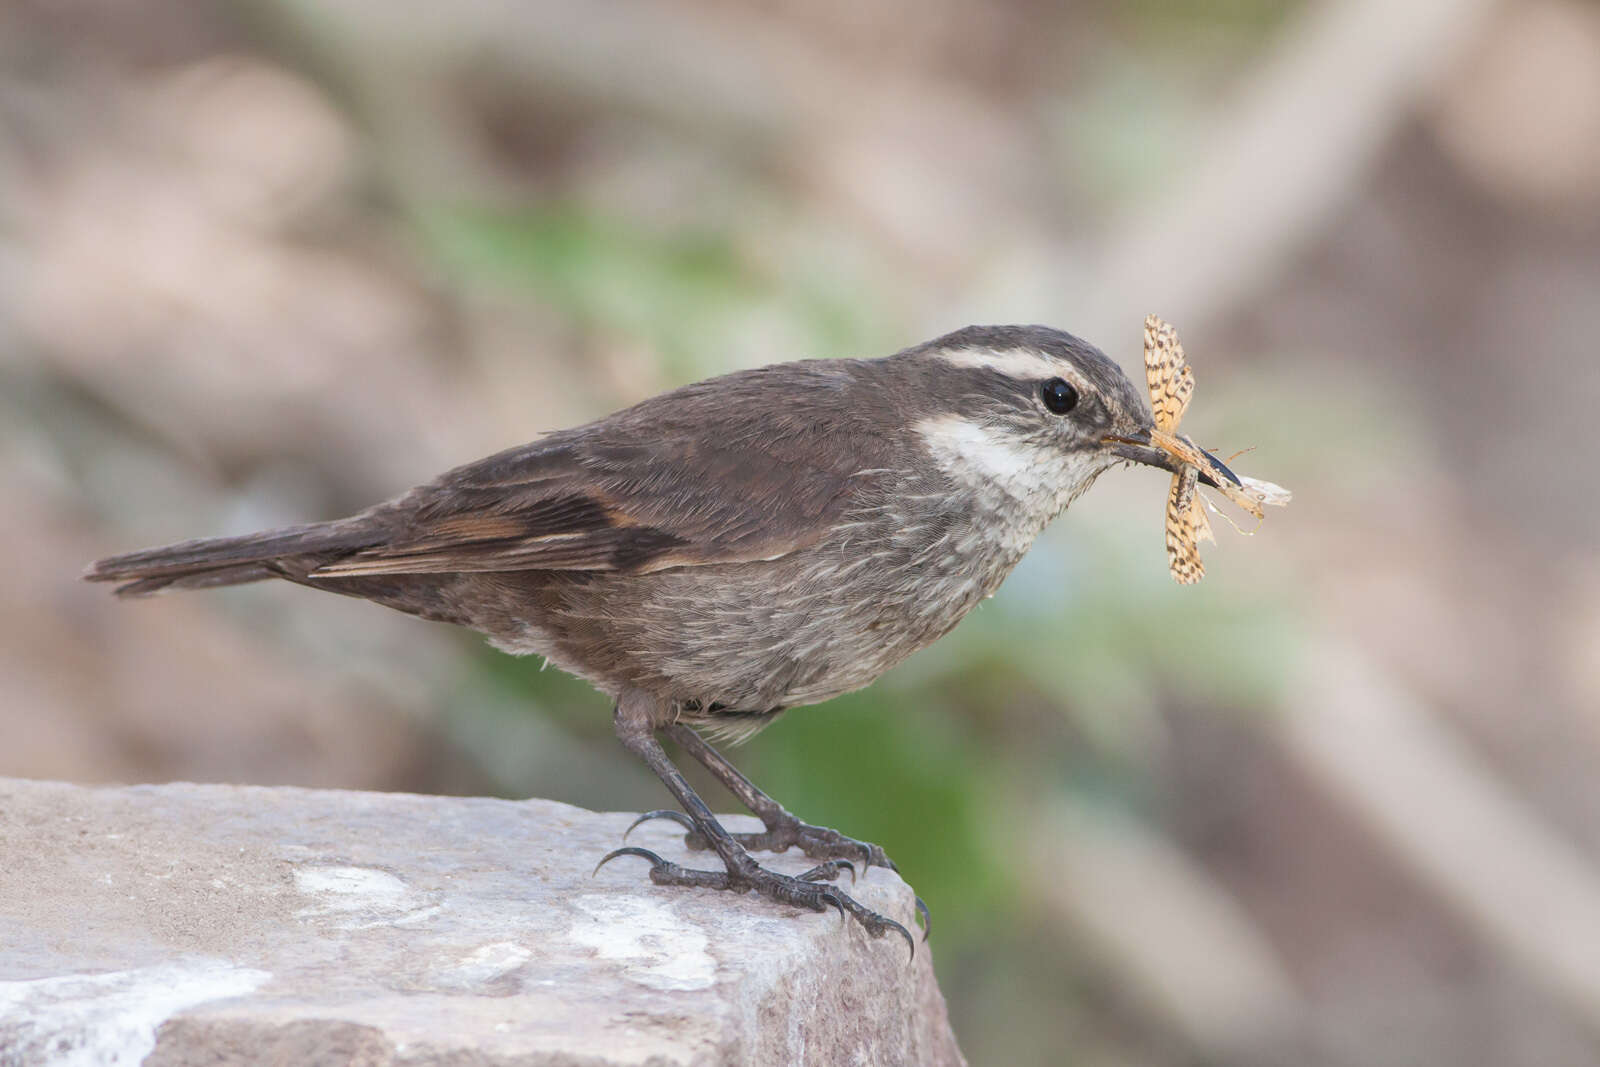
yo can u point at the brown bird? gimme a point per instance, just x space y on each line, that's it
739 546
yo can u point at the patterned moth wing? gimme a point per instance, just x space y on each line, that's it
1171 384
1183 549
1167 373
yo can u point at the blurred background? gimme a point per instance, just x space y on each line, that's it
270 261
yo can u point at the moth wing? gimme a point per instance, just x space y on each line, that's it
1266 492
1167 373
1183 551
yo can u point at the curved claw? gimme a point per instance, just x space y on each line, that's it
629 850
836 898
903 932
927 919
829 870
660 813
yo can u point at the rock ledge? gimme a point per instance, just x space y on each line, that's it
189 924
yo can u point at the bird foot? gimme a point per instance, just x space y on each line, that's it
807 891
782 833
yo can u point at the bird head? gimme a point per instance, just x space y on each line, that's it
1032 413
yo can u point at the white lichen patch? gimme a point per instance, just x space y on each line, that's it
483 965
646 939
350 888
90 1020
359 897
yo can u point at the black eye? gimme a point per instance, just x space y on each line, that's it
1059 395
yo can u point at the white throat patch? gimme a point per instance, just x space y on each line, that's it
985 457
981 455
1027 484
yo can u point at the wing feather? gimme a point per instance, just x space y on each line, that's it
702 475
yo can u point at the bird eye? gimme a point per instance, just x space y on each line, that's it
1058 395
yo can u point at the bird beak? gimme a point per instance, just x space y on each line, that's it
1138 448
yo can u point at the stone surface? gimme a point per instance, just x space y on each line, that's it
189 924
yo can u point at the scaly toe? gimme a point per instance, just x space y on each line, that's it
819 842
828 871
809 890
878 925
665 872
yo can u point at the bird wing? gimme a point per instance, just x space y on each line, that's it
724 471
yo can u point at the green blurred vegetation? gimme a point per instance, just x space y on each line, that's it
683 292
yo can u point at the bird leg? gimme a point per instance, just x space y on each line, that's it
783 830
636 724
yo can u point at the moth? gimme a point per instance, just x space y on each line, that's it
1171 383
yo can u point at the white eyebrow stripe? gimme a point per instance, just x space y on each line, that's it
1013 363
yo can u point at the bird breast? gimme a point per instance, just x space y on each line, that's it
895 574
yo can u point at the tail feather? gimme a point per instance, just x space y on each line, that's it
231 560
236 574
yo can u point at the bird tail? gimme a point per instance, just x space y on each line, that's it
288 553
